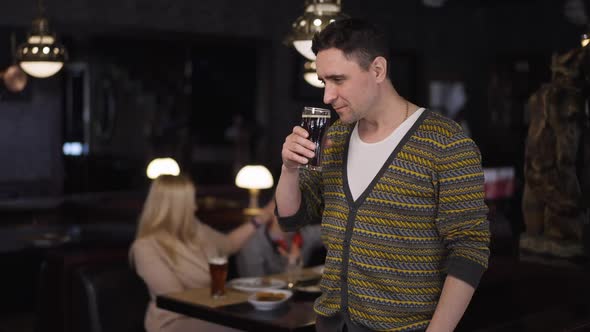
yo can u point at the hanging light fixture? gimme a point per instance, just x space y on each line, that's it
41 55
318 14
310 75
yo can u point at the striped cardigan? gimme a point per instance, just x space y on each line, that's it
421 218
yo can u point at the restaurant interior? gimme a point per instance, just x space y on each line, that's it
217 85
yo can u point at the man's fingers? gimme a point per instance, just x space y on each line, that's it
297 149
302 141
303 148
300 131
298 158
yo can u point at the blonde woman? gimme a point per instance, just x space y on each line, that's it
171 248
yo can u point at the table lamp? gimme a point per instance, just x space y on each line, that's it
161 166
254 178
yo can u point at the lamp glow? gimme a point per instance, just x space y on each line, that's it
318 14
310 75
41 55
161 166
254 178
41 69
304 48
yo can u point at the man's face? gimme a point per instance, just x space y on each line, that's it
350 89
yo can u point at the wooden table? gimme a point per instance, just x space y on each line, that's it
513 295
234 311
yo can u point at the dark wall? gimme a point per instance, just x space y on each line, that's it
467 41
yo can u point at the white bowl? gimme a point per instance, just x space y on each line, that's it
269 305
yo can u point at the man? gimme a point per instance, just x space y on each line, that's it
400 196
268 251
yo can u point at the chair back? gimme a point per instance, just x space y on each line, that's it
112 298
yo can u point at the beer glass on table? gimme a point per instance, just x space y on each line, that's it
218 270
315 121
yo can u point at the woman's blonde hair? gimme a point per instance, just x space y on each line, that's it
169 210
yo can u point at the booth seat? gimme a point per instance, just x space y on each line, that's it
108 298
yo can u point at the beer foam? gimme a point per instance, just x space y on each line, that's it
218 260
315 116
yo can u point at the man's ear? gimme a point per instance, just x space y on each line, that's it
379 68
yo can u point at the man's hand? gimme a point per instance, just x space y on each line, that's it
297 149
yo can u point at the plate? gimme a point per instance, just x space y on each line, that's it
254 298
309 289
256 284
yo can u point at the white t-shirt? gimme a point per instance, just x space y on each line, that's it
366 159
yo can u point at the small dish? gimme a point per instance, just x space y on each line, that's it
269 299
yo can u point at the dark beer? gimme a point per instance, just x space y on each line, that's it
218 271
315 121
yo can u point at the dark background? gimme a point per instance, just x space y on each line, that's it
175 78
152 78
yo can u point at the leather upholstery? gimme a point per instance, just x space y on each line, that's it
108 298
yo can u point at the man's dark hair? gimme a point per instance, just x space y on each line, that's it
355 38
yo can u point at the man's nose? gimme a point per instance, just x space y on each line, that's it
329 94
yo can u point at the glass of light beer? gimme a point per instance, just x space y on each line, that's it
315 121
218 271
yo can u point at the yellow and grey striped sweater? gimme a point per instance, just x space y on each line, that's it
421 218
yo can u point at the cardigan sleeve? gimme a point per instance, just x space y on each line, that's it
312 204
462 213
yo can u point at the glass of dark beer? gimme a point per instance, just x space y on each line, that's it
315 121
218 271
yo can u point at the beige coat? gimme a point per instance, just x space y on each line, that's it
162 275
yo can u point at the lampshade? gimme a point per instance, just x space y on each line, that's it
41 55
310 75
161 166
254 177
585 39
318 14
304 48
